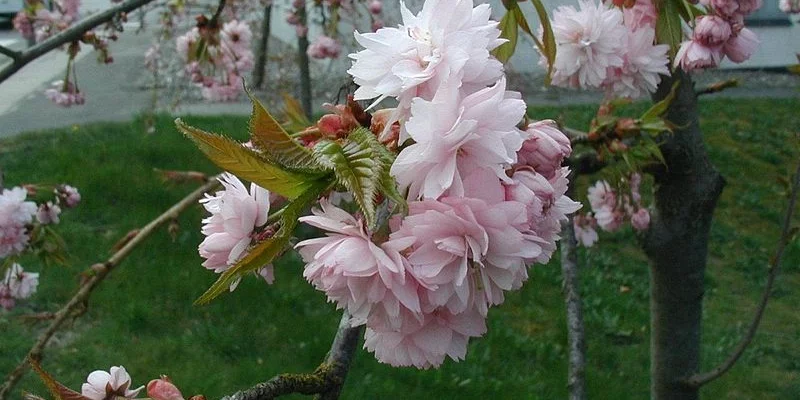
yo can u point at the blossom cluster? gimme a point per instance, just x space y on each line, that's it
612 46
599 46
790 6
326 45
485 198
236 214
217 58
18 218
718 34
610 210
37 22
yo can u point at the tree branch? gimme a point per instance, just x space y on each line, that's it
775 263
576 375
718 87
8 52
101 270
71 34
326 381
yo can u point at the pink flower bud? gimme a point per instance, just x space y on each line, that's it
694 55
375 6
740 47
377 24
749 6
711 30
545 148
725 8
640 219
163 389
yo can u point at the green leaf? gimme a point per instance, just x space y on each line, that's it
357 166
658 109
294 112
247 164
57 389
548 42
508 30
387 185
266 251
268 135
668 25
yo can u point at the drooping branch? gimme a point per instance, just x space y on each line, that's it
8 52
71 34
718 86
101 270
576 375
326 381
775 263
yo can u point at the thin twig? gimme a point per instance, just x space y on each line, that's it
326 381
100 272
215 19
71 34
718 86
576 374
8 52
698 380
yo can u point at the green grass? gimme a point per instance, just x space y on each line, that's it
142 315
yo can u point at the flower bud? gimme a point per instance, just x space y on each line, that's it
711 30
740 47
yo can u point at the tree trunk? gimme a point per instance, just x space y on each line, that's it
302 61
261 59
687 189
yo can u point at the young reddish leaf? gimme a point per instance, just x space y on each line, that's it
58 390
247 164
268 135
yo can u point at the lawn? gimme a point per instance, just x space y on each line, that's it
142 316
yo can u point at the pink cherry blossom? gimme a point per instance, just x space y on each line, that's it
68 196
65 94
356 273
585 233
609 219
454 136
640 219
643 65
465 251
423 342
48 213
547 206
725 8
19 283
588 42
601 195
711 30
448 40
101 385
741 46
642 15
6 301
693 55
787 6
544 148
15 213
236 36
324 47
235 214
375 6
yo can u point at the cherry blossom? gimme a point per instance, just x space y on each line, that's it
48 213
101 385
585 233
352 270
454 136
68 195
544 148
643 65
324 47
588 42
235 214
20 284
448 41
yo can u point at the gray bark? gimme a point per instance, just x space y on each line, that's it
687 189
302 61
576 374
261 58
